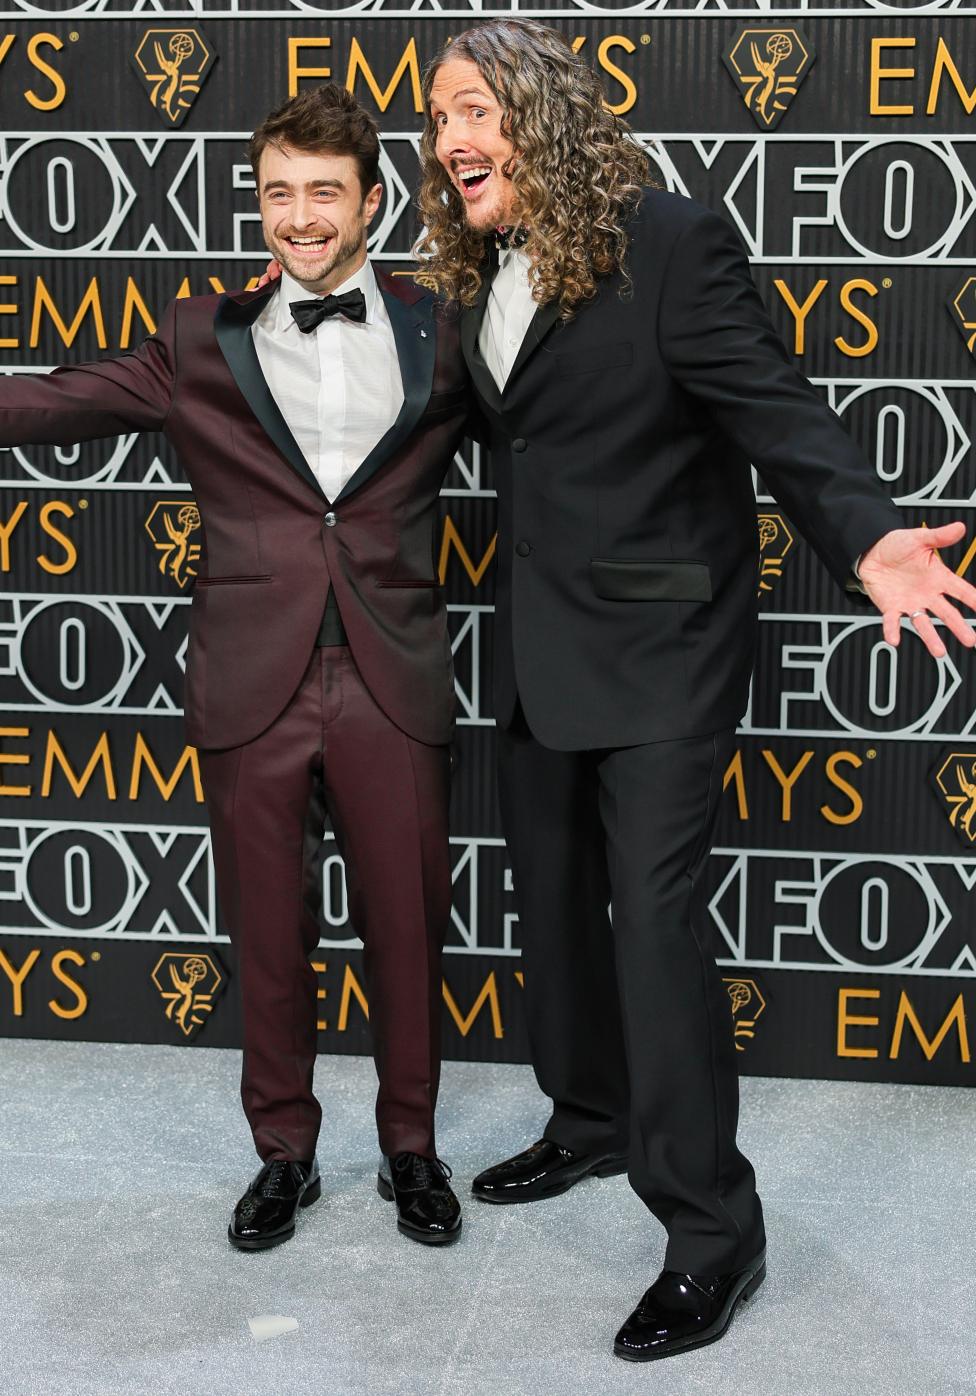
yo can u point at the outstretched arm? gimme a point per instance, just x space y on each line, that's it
86 401
721 345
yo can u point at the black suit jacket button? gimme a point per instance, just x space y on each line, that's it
523 549
331 519
519 444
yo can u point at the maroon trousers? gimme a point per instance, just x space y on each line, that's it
334 750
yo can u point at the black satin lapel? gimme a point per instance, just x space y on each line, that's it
542 322
416 343
484 383
232 326
473 315
471 319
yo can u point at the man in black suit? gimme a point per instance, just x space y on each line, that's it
628 376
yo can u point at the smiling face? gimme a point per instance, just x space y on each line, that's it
470 145
314 214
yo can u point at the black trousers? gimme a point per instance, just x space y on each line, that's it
630 1026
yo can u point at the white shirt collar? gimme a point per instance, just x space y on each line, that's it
291 290
514 261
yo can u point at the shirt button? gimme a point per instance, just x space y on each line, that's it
331 520
519 444
523 549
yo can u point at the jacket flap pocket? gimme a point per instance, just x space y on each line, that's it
597 359
617 580
232 581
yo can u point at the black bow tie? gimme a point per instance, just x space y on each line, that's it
510 237
310 314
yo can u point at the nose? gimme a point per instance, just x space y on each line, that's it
304 213
450 142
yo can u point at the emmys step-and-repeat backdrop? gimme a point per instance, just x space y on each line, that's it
843 147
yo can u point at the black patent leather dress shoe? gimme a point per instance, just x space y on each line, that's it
680 1312
544 1170
265 1215
427 1210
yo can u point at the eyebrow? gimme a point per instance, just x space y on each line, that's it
309 184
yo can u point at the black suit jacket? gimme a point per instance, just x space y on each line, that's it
627 548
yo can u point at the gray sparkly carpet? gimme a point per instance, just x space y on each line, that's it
120 1166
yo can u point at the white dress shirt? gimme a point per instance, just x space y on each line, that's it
339 387
508 315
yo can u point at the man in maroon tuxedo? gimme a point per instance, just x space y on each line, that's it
315 419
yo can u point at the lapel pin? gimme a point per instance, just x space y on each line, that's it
423 334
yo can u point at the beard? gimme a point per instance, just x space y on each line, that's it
485 219
310 271
497 208
487 214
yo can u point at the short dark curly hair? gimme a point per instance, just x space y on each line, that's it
326 118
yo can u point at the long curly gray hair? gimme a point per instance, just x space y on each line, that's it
577 177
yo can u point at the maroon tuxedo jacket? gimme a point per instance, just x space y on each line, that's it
269 557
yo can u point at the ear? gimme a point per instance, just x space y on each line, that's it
372 202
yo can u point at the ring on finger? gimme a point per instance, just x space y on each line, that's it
916 613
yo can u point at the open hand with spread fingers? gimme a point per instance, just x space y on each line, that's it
904 576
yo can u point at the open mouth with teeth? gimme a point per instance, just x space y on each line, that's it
311 246
473 178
